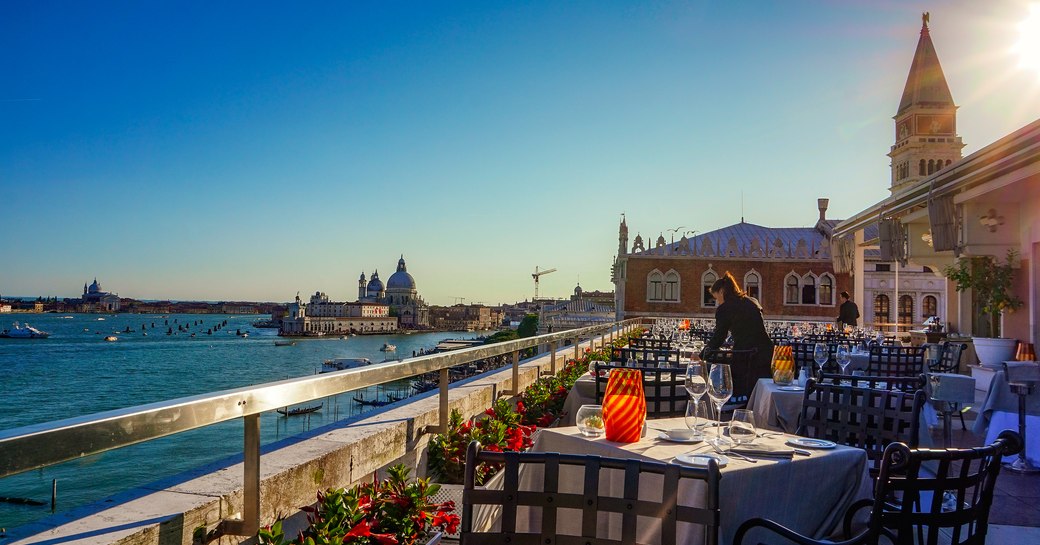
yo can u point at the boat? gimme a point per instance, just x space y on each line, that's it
265 324
23 332
296 411
373 403
340 364
111 338
285 343
244 335
387 347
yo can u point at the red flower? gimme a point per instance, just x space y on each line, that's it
546 420
362 529
449 522
520 407
490 412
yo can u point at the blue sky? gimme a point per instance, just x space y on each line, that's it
250 150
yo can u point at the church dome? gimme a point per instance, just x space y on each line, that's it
375 285
95 287
401 280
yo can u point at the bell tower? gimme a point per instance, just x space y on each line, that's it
926 138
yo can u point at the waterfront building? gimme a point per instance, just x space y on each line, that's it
788 269
399 294
582 310
466 317
95 299
322 316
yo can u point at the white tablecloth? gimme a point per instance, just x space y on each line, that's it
807 494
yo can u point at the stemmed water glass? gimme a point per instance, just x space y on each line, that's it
720 389
696 385
821 354
843 356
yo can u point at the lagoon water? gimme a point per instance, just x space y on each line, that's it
75 372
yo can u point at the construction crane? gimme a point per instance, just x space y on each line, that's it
458 300
538 274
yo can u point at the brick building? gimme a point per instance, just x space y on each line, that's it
788 269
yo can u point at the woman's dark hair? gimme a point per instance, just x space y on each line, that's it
845 294
727 284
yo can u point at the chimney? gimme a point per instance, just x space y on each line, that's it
822 205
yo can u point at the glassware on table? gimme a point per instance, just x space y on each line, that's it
844 357
742 427
720 389
590 420
692 408
820 354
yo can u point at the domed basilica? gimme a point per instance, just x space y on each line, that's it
399 294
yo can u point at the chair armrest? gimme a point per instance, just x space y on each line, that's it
856 507
787 533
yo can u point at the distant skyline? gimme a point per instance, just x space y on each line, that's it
250 151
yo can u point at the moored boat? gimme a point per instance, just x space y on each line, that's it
27 331
285 343
340 364
111 338
387 347
296 411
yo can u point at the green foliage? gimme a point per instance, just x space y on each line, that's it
990 282
394 511
502 336
528 326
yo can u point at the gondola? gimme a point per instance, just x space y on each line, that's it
300 410
372 403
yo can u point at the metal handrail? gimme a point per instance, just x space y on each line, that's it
40 445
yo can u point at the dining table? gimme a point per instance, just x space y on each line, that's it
808 492
999 411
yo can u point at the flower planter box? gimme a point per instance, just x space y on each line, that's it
994 352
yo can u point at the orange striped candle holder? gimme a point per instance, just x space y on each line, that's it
1025 352
624 406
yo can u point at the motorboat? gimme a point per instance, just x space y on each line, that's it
111 338
23 332
285 343
341 364
387 347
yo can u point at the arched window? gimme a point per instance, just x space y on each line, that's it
707 279
906 310
671 286
654 286
929 306
881 309
752 284
809 289
931 166
921 168
948 162
826 289
791 292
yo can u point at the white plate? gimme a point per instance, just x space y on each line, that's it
665 437
805 442
791 389
701 460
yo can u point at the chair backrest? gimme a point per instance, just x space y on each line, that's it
905 384
967 476
650 342
649 355
663 388
949 358
896 361
531 486
803 356
866 418
745 376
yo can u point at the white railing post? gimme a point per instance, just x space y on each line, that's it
249 524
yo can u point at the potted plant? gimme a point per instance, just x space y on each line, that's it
990 282
391 512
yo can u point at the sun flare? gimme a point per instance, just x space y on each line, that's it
1028 45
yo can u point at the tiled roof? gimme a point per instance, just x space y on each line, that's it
925 84
750 240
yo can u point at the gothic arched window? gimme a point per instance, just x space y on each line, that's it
671 286
707 279
921 168
752 285
791 292
881 309
931 166
826 289
809 289
655 286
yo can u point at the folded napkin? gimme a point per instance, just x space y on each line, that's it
764 451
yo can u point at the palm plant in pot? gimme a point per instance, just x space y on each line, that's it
990 282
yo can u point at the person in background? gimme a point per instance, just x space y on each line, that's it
740 316
848 312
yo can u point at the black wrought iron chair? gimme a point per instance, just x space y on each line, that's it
906 384
803 353
663 387
949 358
955 500
540 495
861 417
644 355
745 375
896 361
650 342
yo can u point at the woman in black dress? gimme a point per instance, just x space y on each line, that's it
741 316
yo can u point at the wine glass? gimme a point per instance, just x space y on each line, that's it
821 354
696 384
742 427
843 356
691 419
720 389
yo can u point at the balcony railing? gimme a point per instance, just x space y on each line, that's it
41 445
